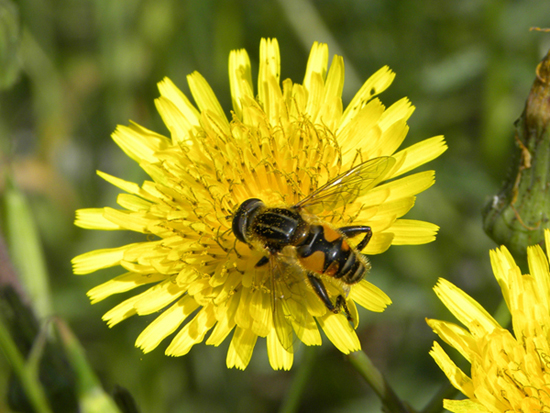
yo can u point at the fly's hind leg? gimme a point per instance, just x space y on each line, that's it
322 293
355 230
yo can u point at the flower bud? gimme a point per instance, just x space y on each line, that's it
518 214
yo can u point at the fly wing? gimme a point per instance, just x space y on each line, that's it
350 185
288 286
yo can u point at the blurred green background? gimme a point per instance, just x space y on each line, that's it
73 70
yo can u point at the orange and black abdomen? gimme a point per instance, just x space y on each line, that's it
325 251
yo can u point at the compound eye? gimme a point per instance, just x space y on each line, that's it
244 216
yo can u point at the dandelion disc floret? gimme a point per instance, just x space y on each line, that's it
509 370
283 142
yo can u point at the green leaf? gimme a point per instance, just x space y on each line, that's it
26 250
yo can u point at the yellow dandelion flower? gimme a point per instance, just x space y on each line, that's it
509 372
281 145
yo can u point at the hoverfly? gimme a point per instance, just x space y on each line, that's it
317 249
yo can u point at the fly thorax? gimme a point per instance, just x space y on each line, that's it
279 227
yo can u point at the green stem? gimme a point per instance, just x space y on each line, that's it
293 397
447 391
27 376
374 378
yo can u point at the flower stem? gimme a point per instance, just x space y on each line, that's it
26 374
374 378
447 391
292 399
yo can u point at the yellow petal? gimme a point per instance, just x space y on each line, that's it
121 312
412 232
98 259
242 316
133 203
400 110
389 210
335 79
260 310
270 67
128 220
158 297
92 218
241 348
316 64
369 296
505 269
379 243
465 406
122 283
400 188
275 106
393 137
192 333
456 336
226 320
139 143
376 84
129 187
169 91
538 268
339 331
362 132
316 92
456 376
468 311
166 324
308 333
279 358
419 154
181 129
331 108
206 98
240 80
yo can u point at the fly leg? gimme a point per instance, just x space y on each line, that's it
262 261
322 293
355 230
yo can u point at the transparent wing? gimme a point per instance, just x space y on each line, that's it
288 286
348 186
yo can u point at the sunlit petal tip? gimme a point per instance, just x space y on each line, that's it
456 376
205 97
317 63
240 80
292 146
419 154
98 259
369 296
340 333
120 284
279 358
93 218
240 348
411 232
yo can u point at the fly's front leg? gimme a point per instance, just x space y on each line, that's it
355 230
322 293
263 261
